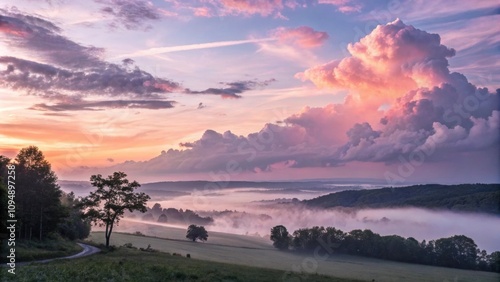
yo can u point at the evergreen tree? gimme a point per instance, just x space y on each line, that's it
38 204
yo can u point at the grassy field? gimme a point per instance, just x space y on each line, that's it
126 264
255 252
35 250
177 233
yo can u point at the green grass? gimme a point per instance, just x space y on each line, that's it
38 250
336 265
126 264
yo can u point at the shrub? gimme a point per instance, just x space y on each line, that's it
129 245
148 249
139 233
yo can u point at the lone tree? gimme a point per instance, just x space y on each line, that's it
280 237
113 196
197 232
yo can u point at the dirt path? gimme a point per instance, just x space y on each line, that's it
87 251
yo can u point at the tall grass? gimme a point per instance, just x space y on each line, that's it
27 250
130 264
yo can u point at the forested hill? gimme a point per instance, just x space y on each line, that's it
464 197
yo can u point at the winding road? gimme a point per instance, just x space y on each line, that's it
87 251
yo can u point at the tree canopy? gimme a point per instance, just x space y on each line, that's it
114 195
38 204
280 237
74 226
462 197
456 251
196 232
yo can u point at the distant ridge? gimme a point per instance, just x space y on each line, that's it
200 184
483 198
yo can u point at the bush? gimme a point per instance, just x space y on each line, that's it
129 245
148 249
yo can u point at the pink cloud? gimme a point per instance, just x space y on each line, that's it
390 61
10 29
251 7
344 6
303 36
202 12
434 115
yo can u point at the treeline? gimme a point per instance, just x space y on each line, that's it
174 216
464 197
457 251
42 209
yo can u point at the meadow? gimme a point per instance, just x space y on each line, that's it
128 264
255 252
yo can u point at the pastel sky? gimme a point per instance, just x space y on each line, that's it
403 91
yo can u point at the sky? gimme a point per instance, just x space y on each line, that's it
402 91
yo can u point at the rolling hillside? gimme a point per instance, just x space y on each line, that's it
483 198
334 265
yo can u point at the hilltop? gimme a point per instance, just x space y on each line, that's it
484 198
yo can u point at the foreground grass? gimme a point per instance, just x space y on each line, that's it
335 265
38 250
127 264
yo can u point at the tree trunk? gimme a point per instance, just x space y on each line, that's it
110 225
106 235
109 234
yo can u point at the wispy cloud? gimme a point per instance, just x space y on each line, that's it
189 47
132 14
102 105
232 89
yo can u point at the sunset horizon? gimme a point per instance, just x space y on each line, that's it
249 140
175 91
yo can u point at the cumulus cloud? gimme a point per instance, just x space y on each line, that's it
391 60
227 151
303 36
232 89
431 110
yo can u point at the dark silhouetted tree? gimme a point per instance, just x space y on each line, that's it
38 195
280 237
196 232
456 251
495 261
3 200
113 196
74 226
